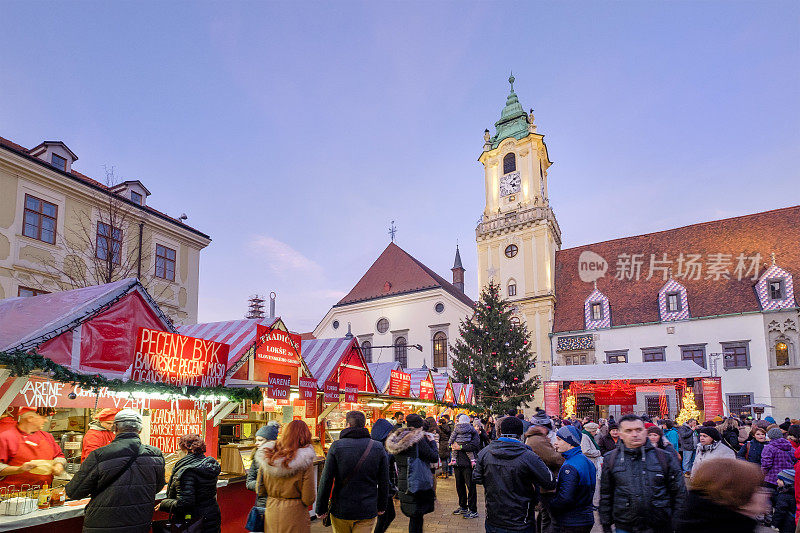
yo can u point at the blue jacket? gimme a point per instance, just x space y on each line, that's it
672 437
572 503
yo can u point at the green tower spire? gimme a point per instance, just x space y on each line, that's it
513 119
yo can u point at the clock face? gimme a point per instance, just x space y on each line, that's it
510 183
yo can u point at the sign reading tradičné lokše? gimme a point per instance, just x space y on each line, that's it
163 357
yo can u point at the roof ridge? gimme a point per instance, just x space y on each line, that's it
696 224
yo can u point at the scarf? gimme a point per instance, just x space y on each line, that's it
706 448
591 438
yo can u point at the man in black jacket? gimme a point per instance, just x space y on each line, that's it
360 491
123 492
641 486
445 430
687 443
511 475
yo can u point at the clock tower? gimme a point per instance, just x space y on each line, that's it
518 234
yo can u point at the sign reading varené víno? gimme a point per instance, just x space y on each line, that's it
163 357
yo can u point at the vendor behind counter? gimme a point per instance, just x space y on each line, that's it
29 455
100 432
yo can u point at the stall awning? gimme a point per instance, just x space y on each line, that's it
239 334
608 372
382 373
441 384
417 375
337 359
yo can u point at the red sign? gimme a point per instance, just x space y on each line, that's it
426 390
278 386
163 357
448 394
311 408
168 425
400 384
308 388
331 392
351 393
277 346
615 393
712 397
552 399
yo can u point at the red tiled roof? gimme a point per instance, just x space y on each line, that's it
94 183
307 336
636 302
396 272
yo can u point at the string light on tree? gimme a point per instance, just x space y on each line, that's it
689 409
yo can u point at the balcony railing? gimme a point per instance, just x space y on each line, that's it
514 218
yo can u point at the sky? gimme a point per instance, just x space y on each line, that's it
293 133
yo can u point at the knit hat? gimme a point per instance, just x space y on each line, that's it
128 415
591 426
569 434
717 419
511 425
541 419
415 421
649 425
787 476
269 432
711 432
655 429
463 419
775 434
769 419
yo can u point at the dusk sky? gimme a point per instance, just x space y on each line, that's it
293 133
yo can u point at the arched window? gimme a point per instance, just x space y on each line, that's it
781 354
366 349
512 288
440 350
509 163
401 351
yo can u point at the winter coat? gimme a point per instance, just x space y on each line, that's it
192 491
797 481
632 500
571 505
471 445
366 492
511 475
703 515
687 440
784 504
607 443
252 478
716 450
405 444
96 437
591 451
542 447
445 429
731 438
778 454
751 451
126 506
288 489
672 436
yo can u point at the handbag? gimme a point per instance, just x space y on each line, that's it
255 519
174 525
327 520
419 475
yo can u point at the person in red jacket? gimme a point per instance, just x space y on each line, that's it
9 419
99 433
24 443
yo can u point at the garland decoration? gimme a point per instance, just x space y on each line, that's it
24 363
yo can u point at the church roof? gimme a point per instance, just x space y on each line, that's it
717 245
513 119
457 262
397 272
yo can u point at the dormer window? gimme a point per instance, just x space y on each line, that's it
776 289
509 163
59 162
597 311
136 197
673 302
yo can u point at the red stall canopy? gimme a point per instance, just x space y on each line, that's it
338 360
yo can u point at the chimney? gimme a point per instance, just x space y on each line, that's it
458 272
272 297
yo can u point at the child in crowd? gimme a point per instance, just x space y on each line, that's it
463 433
784 503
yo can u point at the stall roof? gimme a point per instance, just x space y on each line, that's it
239 334
468 390
382 373
26 322
440 382
417 375
323 356
655 370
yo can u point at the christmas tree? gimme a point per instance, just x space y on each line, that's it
689 409
493 354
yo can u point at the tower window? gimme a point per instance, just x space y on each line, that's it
401 351
509 163
776 291
673 302
58 162
439 307
781 354
440 350
511 250
597 311
512 289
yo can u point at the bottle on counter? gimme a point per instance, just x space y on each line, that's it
44 497
58 495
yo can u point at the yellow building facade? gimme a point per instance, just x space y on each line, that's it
518 235
57 226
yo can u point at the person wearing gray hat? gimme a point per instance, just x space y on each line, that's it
125 474
266 433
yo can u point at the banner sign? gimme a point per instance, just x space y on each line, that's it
351 393
163 357
311 408
712 398
426 390
278 386
400 384
277 346
308 388
168 425
448 394
552 398
331 391
614 395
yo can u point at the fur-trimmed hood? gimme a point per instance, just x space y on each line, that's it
402 439
303 459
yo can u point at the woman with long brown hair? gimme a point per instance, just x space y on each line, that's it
286 478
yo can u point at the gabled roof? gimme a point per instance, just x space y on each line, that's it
382 373
636 302
397 272
239 334
323 356
417 375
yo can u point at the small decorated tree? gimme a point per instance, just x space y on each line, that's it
689 409
493 354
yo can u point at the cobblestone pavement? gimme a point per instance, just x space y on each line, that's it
442 519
